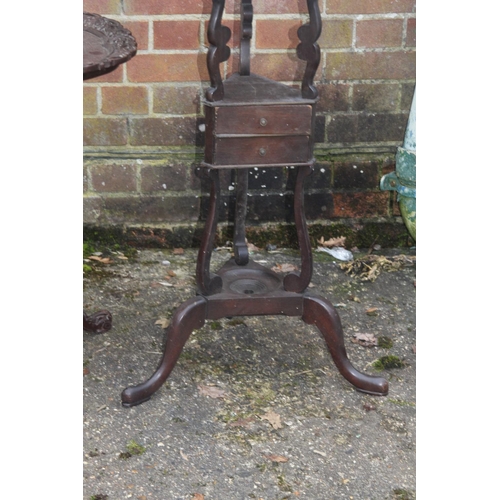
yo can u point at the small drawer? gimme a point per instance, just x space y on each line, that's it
262 150
263 120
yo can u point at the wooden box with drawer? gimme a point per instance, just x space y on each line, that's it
259 122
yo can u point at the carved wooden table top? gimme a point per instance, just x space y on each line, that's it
106 45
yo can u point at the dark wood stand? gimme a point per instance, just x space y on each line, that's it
252 121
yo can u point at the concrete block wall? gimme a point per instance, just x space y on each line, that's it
141 131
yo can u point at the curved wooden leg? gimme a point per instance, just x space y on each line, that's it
189 316
295 282
240 247
321 313
207 282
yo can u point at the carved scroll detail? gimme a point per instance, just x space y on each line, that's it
99 322
218 52
246 18
308 50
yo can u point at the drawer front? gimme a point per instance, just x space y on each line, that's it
263 120
262 150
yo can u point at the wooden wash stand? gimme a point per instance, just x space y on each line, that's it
252 121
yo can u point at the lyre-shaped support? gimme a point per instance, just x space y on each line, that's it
218 36
218 52
308 50
295 282
246 18
207 282
241 255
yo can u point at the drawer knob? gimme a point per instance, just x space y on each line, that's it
262 151
263 122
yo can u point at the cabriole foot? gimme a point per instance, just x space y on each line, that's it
321 313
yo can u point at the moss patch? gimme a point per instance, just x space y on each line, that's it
236 322
401 402
133 448
385 342
387 234
401 494
388 363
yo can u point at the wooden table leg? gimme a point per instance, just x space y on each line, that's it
188 317
321 313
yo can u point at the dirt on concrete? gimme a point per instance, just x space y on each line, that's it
255 407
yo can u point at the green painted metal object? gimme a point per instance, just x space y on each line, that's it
404 178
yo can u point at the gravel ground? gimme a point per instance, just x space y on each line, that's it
255 408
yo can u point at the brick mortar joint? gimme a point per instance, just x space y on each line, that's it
366 50
368 17
180 157
365 81
196 154
324 50
161 116
196 194
363 113
259 16
138 195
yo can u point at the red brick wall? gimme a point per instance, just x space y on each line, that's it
144 117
